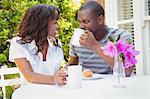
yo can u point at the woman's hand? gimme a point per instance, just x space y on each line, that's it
60 77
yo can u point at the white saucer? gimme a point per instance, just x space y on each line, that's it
94 77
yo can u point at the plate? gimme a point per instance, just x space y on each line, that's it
94 77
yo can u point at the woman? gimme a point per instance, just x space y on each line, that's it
36 51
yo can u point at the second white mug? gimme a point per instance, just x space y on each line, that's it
74 76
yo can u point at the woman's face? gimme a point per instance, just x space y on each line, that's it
53 28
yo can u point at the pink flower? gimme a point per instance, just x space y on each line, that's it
110 49
121 45
129 58
130 54
132 51
123 49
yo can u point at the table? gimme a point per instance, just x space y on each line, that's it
137 87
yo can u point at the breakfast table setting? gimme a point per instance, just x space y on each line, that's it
99 86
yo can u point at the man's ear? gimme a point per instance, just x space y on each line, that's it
101 19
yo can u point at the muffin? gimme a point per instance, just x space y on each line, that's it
87 73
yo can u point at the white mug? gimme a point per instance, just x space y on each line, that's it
76 37
74 76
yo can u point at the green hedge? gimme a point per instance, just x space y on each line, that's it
10 15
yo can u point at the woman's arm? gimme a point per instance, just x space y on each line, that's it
26 69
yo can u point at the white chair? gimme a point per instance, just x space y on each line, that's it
8 82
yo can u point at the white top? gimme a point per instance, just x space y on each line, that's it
53 59
136 88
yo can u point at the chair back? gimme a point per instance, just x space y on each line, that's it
4 70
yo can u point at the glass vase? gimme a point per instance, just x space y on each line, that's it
118 73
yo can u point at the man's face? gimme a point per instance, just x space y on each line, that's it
88 20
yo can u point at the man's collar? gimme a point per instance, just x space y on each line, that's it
105 38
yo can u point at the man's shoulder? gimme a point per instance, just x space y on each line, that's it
115 32
118 31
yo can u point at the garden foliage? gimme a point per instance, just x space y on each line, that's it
10 15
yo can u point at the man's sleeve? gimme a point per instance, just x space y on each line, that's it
72 51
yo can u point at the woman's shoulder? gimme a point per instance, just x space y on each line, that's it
15 39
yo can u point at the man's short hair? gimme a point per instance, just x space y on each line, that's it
94 6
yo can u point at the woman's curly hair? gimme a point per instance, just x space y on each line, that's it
34 24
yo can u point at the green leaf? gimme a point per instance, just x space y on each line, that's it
111 39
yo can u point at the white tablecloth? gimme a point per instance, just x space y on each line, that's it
136 88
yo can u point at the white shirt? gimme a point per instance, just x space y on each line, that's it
54 56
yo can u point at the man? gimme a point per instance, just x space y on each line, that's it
90 55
